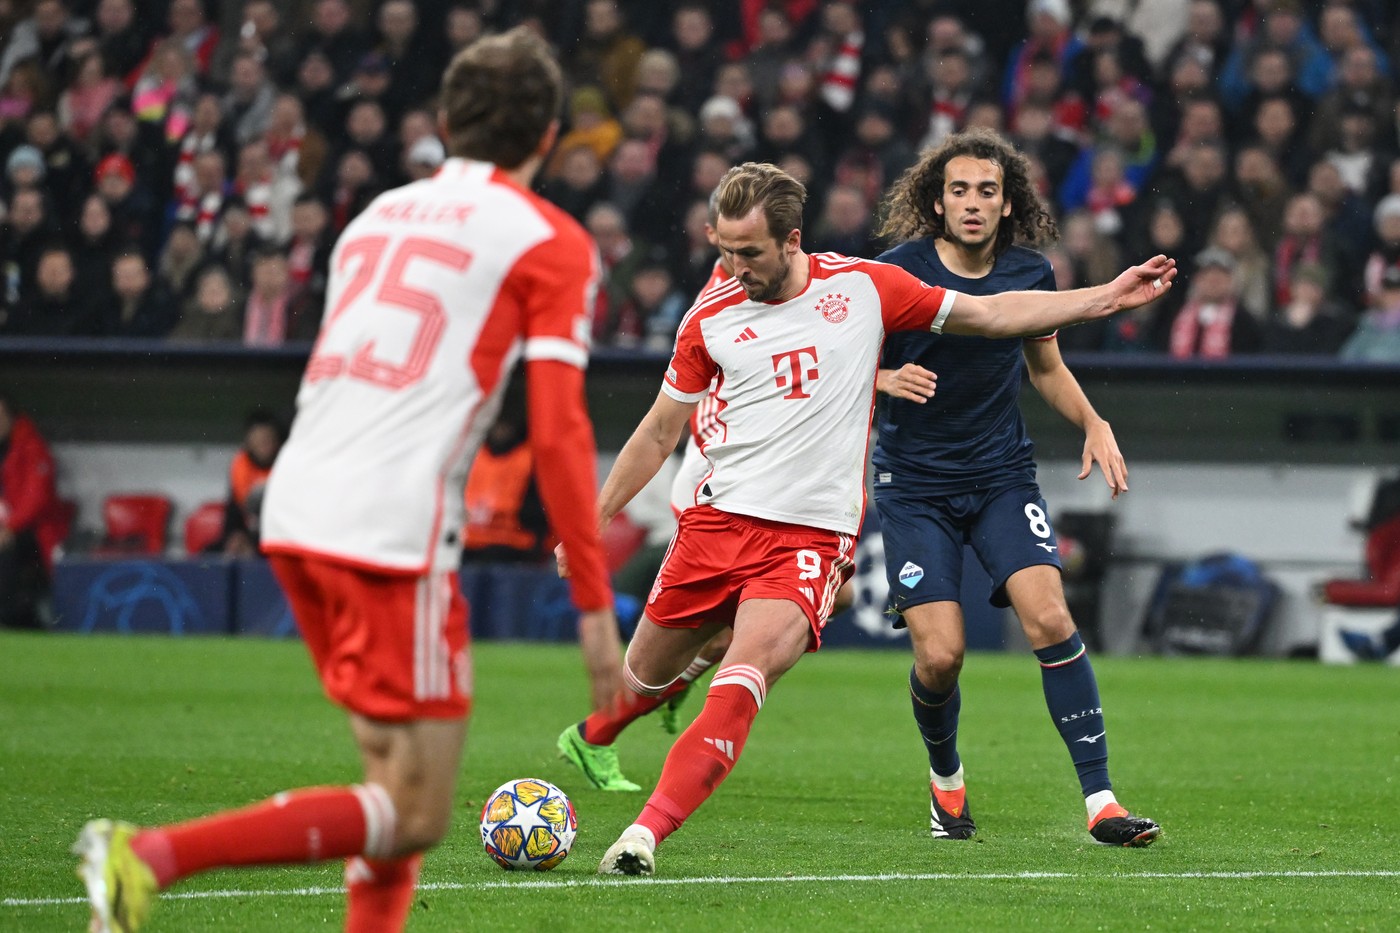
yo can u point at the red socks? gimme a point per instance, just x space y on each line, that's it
705 753
379 893
307 825
603 726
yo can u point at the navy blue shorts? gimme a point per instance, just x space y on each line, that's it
1009 529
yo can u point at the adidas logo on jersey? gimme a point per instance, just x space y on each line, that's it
748 334
723 745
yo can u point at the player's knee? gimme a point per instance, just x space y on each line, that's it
716 647
938 666
1048 626
422 824
638 683
645 679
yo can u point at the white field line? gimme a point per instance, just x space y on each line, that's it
551 884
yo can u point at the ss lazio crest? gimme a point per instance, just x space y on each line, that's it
834 308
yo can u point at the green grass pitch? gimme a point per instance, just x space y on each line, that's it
1277 784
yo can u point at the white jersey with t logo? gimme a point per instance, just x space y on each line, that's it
797 386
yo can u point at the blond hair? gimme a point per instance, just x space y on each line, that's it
756 184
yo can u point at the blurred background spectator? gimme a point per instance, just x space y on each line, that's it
33 521
214 313
505 517
263 436
1377 338
1213 323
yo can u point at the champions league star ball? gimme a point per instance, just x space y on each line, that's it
528 824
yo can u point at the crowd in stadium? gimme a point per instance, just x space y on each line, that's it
164 177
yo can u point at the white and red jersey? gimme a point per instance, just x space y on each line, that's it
797 386
436 291
704 422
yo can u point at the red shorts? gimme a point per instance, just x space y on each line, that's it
388 646
719 559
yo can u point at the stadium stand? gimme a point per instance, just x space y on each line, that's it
204 141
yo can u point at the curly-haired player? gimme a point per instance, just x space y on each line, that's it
957 469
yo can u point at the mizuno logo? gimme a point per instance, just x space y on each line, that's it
748 334
1091 739
1048 547
723 745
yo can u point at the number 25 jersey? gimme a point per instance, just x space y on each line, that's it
437 290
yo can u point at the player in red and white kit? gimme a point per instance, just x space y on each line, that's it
438 289
589 744
794 341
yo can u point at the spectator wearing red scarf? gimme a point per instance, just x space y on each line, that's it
1212 325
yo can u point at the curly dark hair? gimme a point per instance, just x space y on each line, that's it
908 212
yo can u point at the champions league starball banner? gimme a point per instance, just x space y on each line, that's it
218 596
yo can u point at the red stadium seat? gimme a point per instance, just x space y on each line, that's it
204 527
134 524
1382 588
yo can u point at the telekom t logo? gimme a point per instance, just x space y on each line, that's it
795 370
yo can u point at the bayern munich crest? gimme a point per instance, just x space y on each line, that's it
834 307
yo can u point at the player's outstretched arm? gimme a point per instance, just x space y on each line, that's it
1016 314
911 381
1062 392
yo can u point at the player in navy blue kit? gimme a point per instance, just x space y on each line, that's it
958 469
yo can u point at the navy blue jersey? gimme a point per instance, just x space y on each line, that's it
970 435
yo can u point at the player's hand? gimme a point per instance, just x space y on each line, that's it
910 381
561 561
1139 285
1100 445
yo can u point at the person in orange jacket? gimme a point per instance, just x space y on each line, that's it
263 436
505 519
33 521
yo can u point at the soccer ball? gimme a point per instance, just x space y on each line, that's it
528 823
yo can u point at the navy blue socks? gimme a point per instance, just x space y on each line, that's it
937 716
1072 696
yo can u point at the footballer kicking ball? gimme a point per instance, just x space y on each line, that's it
528 824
